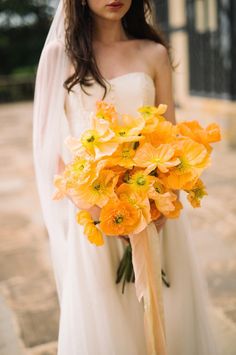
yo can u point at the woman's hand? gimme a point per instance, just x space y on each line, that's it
160 222
124 237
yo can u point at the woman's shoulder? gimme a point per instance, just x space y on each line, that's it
52 52
153 49
155 54
54 47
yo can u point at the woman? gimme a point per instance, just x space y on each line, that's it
107 49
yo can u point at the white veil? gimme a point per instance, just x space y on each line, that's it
49 124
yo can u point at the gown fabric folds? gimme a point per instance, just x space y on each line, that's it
95 317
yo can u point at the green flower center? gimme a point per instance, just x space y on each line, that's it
183 165
127 178
158 188
141 180
91 139
199 193
118 219
78 166
125 153
97 187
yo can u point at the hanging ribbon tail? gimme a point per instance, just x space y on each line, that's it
146 258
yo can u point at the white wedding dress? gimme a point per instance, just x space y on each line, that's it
96 318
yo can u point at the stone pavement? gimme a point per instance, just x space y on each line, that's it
29 311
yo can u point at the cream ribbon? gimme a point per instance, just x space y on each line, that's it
146 257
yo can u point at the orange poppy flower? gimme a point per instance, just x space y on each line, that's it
141 203
118 218
155 213
196 132
157 187
165 202
213 133
161 157
176 211
165 132
123 156
164 198
106 111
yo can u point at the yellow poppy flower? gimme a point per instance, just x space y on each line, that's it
161 157
84 217
98 143
140 182
60 183
78 171
90 230
197 192
97 192
152 116
94 234
129 130
194 158
75 172
76 148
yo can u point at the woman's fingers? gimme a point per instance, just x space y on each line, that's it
160 222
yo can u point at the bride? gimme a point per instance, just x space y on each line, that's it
108 49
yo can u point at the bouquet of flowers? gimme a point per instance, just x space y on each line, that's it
131 169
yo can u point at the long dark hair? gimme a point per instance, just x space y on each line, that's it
78 38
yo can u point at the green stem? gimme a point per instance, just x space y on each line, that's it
125 271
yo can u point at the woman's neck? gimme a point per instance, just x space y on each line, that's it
108 32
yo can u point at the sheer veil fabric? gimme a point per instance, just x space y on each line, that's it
187 327
49 126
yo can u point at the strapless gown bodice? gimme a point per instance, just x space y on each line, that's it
127 92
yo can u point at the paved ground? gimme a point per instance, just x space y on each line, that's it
28 305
